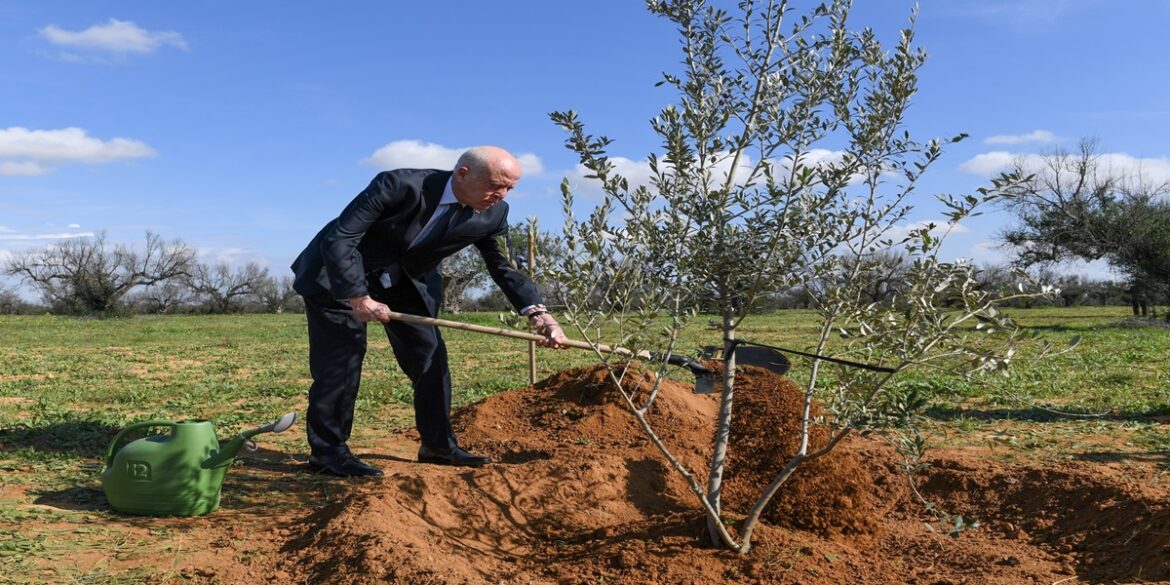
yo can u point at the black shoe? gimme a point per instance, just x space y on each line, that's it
342 465
454 456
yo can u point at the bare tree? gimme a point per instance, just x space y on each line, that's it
224 290
164 297
882 275
277 295
12 304
91 276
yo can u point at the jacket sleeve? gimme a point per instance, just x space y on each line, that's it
517 287
339 244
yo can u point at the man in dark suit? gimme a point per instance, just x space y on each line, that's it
382 253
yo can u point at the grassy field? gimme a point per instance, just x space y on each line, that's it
238 369
68 385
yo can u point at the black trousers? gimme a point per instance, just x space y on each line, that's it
337 347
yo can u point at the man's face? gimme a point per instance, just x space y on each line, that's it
480 190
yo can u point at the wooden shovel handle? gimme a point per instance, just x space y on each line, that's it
502 332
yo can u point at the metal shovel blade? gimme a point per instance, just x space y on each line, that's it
762 357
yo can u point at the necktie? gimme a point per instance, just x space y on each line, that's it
449 216
434 231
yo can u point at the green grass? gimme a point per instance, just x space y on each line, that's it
67 385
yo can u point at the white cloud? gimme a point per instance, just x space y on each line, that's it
68 145
26 168
415 154
9 235
529 163
116 36
990 252
25 152
819 156
73 226
1155 170
232 256
940 229
635 171
1038 136
988 163
638 173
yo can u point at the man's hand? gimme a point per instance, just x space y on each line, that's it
546 325
367 309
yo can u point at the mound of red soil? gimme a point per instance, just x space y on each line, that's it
829 495
579 494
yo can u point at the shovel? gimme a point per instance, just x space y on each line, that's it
705 378
760 355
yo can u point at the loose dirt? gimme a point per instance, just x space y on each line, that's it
579 494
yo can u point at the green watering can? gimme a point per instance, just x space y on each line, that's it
178 474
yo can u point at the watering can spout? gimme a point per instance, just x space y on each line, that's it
228 451
226 454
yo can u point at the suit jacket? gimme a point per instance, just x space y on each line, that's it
374 233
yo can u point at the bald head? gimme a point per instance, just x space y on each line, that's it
483 158
484 175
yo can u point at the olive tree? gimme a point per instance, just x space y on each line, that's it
460 272
783 166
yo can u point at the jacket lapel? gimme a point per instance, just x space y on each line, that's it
471 223
432 191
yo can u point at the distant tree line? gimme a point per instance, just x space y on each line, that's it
91 276
1074 290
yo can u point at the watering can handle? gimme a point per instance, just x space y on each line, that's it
135 426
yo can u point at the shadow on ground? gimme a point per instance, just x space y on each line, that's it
1161 458
84 438
257 483
1033 414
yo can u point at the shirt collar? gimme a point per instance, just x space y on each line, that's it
448 198
448 195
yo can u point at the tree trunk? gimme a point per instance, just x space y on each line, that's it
722 427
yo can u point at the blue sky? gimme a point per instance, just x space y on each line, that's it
242 127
